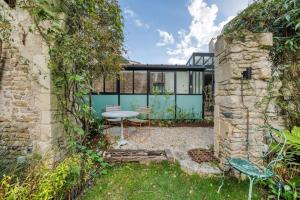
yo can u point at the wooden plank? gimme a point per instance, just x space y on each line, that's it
140 156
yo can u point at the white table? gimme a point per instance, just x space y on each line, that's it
122 115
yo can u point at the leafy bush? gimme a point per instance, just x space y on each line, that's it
42 182
81 49
287 182
293 138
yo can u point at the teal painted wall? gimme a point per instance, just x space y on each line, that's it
132 102
163 106
189 106
100 102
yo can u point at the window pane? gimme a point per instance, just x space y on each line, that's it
126 82
197 82
140 81
110 85
98 85
156 82
190 62
208 60
182 84
198 60
161 82
169 82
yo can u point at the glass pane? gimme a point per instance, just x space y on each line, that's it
190 62
169 82
182 84
140 81
198 60
98 85
197 82
208 60
111 85
126 82
156 82
161 82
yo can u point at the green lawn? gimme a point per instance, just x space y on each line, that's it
163 181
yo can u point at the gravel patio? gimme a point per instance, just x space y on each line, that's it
176 139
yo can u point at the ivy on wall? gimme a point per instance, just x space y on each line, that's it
85 39
282 18
5 29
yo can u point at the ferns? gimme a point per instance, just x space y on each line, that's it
293 138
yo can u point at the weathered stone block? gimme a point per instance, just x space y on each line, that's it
43 101
46 117
266 39
45 134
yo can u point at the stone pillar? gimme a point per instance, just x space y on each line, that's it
232 57
28 120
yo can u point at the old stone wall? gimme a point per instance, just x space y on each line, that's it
28 121
232 57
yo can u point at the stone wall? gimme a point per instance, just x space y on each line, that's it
27 119
232 56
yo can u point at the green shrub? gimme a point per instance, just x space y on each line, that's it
287 182
42 182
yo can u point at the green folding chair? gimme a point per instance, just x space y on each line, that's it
250 169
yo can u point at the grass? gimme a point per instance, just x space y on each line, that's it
163 181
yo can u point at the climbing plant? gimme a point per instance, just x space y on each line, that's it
5 28
282 18
85 39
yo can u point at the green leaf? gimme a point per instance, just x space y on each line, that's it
293 137
287 188
297 26
287 17
79 130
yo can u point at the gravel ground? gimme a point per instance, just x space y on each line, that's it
177 139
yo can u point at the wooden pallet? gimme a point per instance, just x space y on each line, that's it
135 156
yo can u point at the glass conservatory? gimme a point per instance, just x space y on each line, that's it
172 91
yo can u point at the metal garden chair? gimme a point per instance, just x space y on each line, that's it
113 120
253 171
109 122
138 121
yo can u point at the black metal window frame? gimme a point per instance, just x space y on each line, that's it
148 93
190 80
164 92
202 55
133 84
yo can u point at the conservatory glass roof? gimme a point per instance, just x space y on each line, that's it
197 62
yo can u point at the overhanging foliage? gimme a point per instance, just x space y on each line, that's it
282 18
85 40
